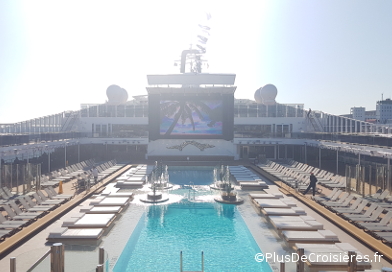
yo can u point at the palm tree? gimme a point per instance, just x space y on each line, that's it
184 109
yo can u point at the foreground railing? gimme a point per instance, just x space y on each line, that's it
60 258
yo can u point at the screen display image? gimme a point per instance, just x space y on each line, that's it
191 117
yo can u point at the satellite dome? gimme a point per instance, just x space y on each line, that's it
116 95
266 95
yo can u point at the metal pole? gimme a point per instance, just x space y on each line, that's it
319 158
65 155
337 162
12 264
306 157
352 262
180 261
202 261
99 268
101 258
17 179
57 258
78 152
300 263
282 267
48 161
1 170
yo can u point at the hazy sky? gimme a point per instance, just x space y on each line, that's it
330 55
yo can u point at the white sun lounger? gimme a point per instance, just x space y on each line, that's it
335 253
266 196
75 234
120 194
319 236
91 221
304 225
102 209
274 203
291 211
285 218
113 201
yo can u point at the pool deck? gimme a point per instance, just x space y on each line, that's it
29 244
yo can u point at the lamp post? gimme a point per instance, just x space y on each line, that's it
47 150
65 154
1 172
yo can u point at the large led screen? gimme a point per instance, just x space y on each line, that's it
190 116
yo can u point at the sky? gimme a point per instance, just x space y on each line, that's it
329 55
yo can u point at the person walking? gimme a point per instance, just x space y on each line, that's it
312 184
95 174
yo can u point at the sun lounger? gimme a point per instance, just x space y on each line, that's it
32 207
260 185
344 203
291 211
328 197
54 195
319 236
274 203
112 201
334 252
282 218
373 218
4 221
366 214
14 215
265 196
386 236
91 221
120 194
47 200
356 207
304 225
103 209
72 235
373 226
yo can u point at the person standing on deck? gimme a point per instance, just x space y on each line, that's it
95 174
312 184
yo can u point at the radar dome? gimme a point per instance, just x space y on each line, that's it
266 95
116 95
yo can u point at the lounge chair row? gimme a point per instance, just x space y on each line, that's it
65 174
135 177
247 179
94 218
374 217
21 211
296 174
300 230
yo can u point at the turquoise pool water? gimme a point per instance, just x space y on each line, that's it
196 176
216 229
191 227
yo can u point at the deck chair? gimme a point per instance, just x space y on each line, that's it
53 195
374 226
366 214
31 207
4 221
327 197
49 201
356 208
342 202
21 216
373 218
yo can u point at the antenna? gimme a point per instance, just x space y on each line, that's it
193 57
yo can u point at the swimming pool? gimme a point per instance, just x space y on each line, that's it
216 229
191 227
